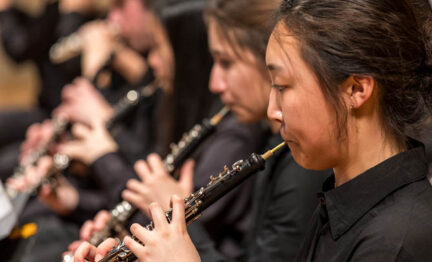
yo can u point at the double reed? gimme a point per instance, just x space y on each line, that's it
197 202
178 155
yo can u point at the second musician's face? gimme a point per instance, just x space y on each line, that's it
237 78
297 102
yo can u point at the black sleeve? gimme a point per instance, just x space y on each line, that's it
25 37
113 171
90 202
227 220
135 132
204 244
285 207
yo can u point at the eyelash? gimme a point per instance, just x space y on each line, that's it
225 63
279 88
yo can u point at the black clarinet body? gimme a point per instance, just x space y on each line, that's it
197 202
178 155
61 162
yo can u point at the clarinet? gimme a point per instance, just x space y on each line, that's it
197 202
61 162
60 126
66 48
178 155
70 46
132 99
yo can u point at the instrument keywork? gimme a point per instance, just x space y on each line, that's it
178 155
197 202
61 162
60 127
180 152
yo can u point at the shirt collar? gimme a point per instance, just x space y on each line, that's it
347 203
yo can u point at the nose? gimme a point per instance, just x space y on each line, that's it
274 112
218 84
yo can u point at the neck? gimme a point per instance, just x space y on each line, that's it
366 149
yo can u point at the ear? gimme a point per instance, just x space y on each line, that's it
359 90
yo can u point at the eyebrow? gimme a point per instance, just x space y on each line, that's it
273 67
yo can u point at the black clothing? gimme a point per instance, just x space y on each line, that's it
30 38
52 238
231 142
135 132
284 200
228 220
284 204
381 215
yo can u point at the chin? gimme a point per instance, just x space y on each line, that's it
244 117
305 160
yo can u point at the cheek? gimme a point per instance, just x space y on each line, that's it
308 124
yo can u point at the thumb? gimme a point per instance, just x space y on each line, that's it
80 131
73 149
186 177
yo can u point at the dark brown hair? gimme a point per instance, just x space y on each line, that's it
246 23
378 38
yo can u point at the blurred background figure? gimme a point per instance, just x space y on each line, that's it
28 30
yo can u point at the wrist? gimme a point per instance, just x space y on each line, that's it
110 147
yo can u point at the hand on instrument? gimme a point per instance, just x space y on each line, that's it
88 228
168 241
63 199
89 144
99 41
97 224
87 252
32 176
37 136
83 103
156 184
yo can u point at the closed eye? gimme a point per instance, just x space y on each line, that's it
279 87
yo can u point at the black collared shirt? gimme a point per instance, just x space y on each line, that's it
384 214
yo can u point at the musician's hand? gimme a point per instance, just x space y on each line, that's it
90 143
167 242
32 176
72 248
63 199
156 184
37 135
99 41
83 103
87 252
91 226
87 229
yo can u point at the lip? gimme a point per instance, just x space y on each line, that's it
286 137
